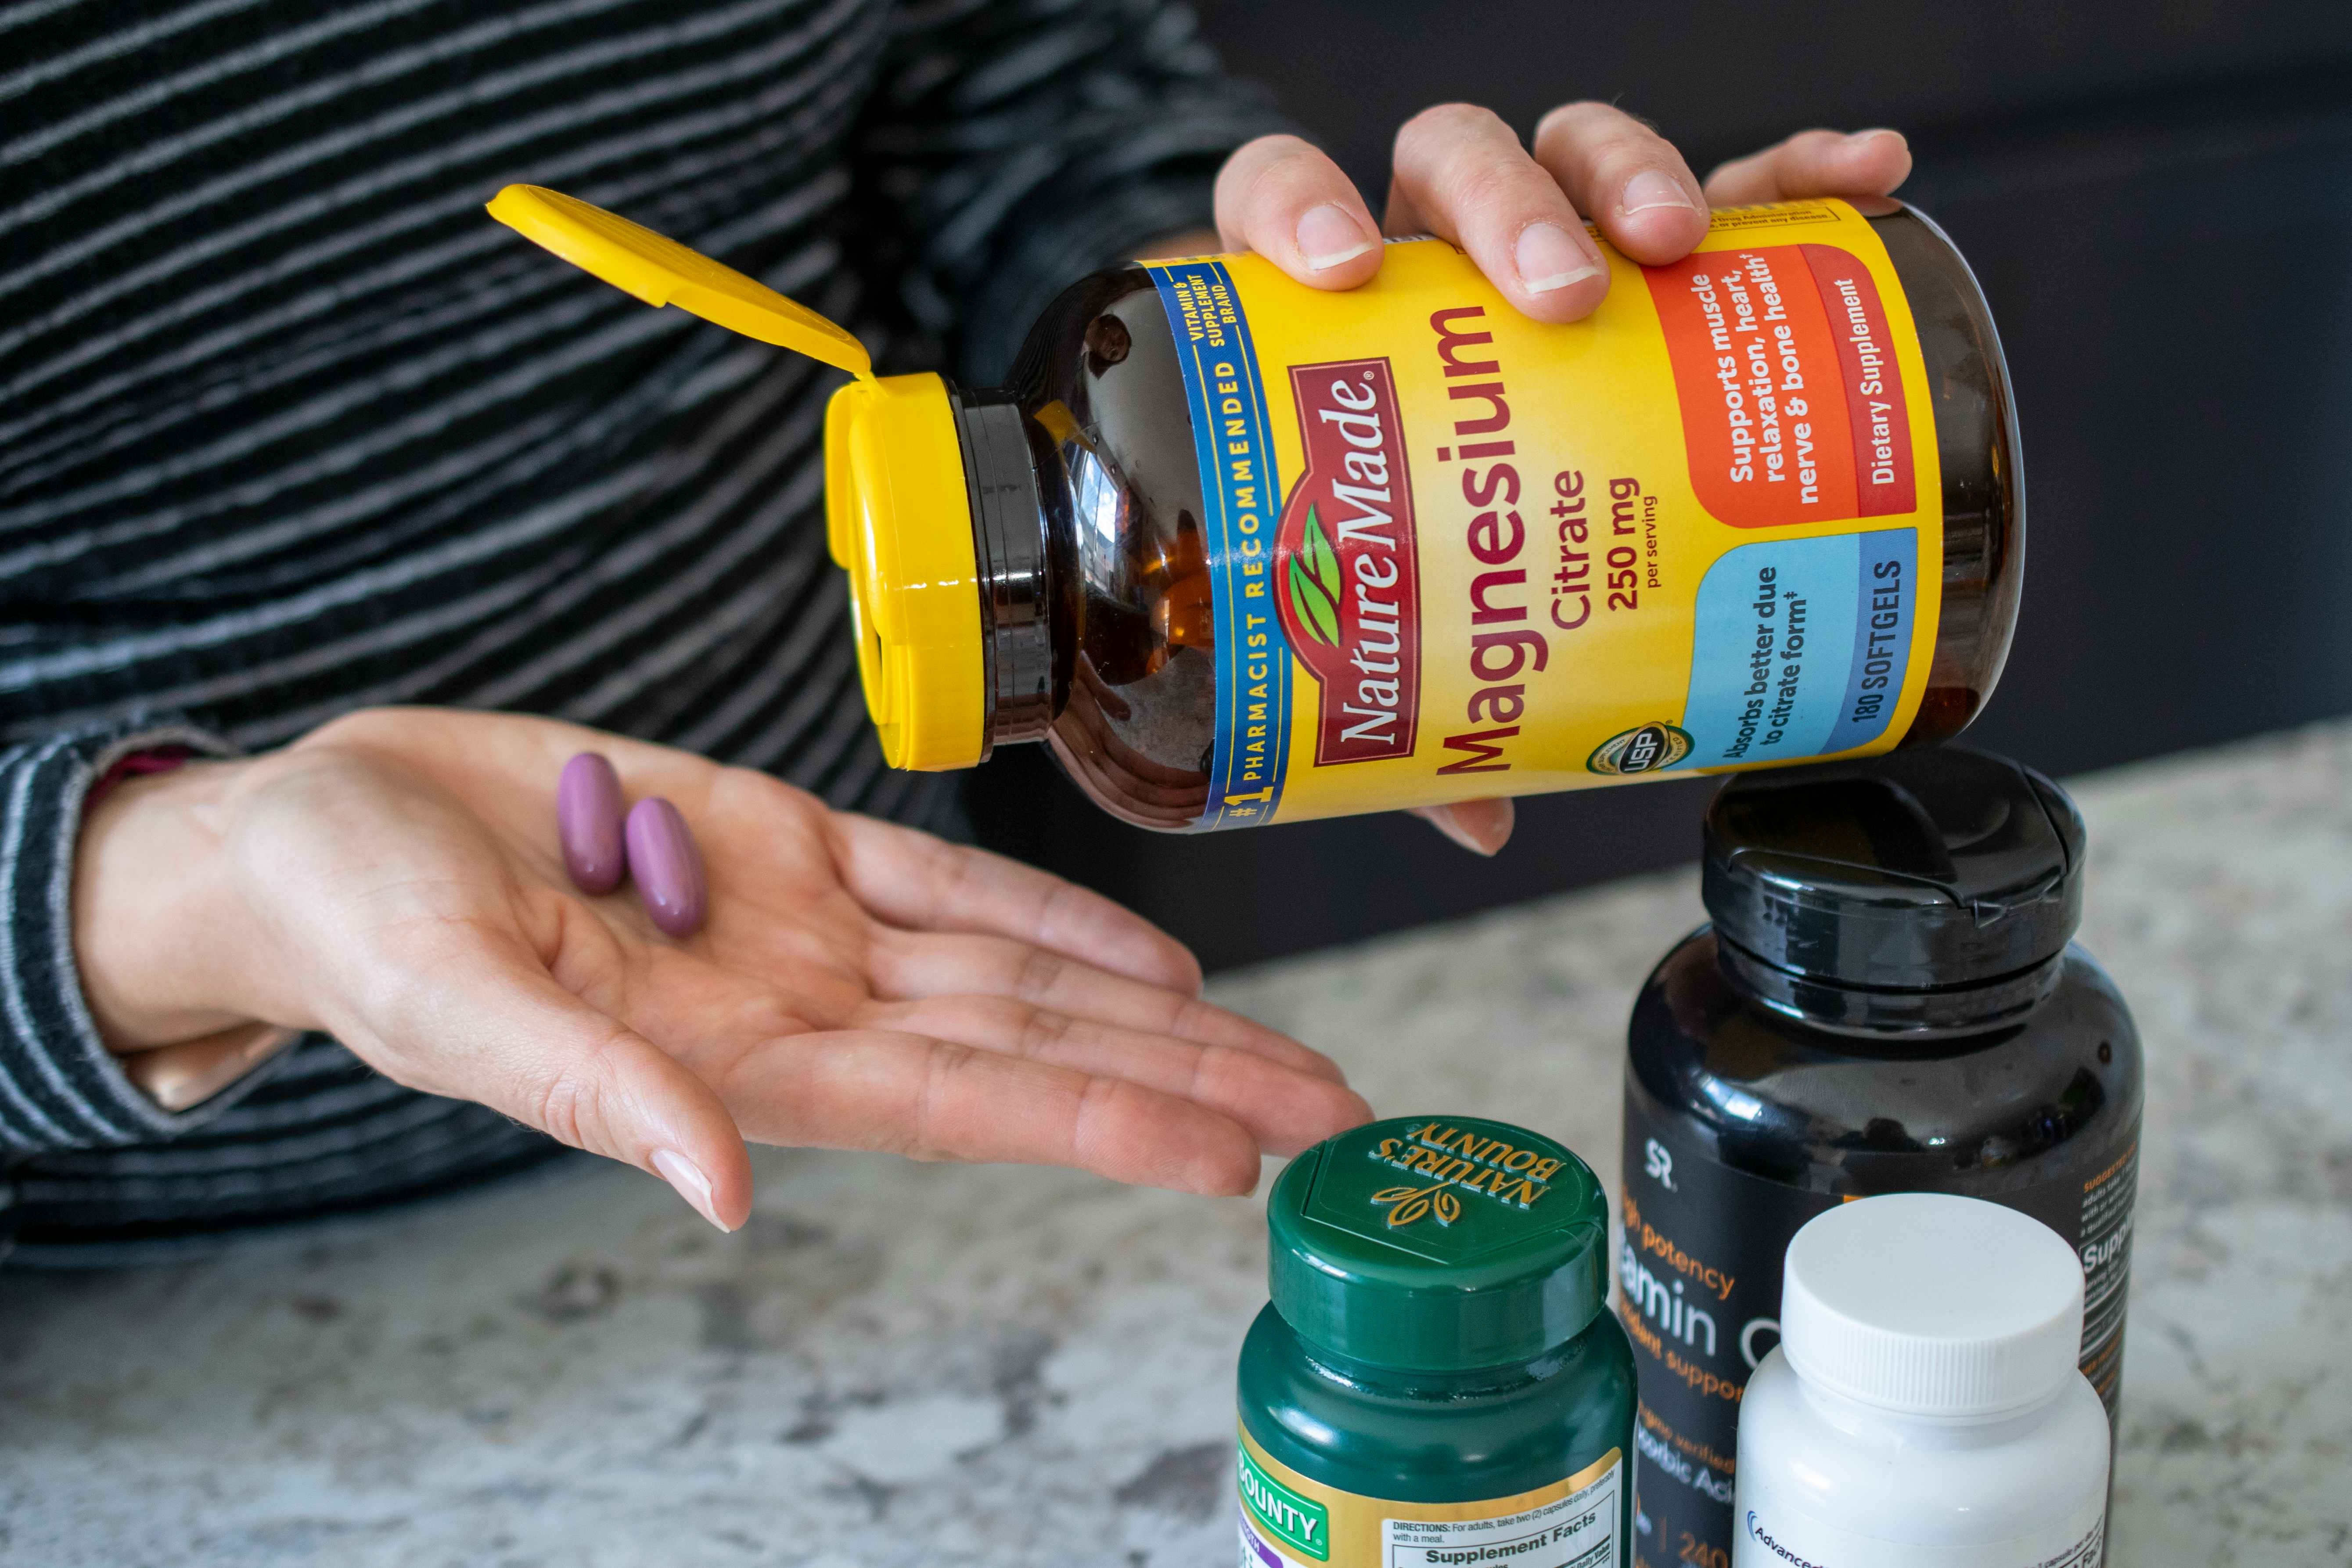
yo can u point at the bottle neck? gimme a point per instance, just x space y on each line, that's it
1010 548
1874 1423
1423 1382
1869 1011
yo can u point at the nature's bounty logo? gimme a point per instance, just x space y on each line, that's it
1347 572
1297 1521
1459 1161
1410 1204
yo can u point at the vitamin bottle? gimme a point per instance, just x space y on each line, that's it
1437 1379
1886 1001
1241 551
1922 1409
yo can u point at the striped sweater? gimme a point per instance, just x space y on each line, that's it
288 426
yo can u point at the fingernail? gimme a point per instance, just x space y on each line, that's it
666 866
1859 137
692 1185
1445 822
1329 235
1652 189
1549 259
588 821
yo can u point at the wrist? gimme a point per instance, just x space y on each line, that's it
161 936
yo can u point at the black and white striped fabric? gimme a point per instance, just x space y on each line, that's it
288 426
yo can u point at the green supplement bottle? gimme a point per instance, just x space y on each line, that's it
1437 1380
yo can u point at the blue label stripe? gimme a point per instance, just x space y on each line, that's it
1888 596
1243 496
1799 646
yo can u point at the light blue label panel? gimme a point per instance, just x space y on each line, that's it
1799 646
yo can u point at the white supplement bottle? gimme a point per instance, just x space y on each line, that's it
1923 1408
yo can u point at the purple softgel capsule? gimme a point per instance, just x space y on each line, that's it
588 821
667 867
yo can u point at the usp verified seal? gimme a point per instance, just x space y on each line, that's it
1642 751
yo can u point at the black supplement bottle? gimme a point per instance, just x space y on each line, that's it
1887 999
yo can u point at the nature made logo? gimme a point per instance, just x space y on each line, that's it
1347 572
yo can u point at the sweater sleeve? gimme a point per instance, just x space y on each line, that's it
60 1088
1017 144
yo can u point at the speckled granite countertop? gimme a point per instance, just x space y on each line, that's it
897 1364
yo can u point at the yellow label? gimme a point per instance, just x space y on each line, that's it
1288 1520
1456 552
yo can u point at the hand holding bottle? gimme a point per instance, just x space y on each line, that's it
1461 173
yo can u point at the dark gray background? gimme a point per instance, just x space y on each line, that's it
2158 201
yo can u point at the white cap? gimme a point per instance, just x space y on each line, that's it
1927 1304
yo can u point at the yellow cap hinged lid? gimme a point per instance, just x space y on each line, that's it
898 510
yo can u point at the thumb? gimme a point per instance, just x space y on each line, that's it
502 1032
1481 827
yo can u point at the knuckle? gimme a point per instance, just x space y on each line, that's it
1280 183
1040 971
1043 1031
1060 904
1635 145
562 1109
1282 146
1588 120
1499 191
1443 124
953 873
1096 1117
571 1104
1217 1067
1194 1019
922 1134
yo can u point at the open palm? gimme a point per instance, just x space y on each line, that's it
856 985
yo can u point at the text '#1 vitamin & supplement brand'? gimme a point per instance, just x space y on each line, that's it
1437 1380
1242 551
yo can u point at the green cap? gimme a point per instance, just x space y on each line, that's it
1438 1242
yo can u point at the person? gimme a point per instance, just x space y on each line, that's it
333 522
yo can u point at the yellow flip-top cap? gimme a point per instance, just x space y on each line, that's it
899 518
898 512
660 271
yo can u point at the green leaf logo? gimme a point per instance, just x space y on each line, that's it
1313 583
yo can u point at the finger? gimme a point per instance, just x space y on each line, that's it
1481 827
1283 198
1284 1110
1625 175
493 1027
912 879
1814 163
936 1100
910 967
1461 174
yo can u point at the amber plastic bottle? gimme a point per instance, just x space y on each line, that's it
1087 508
1095 553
